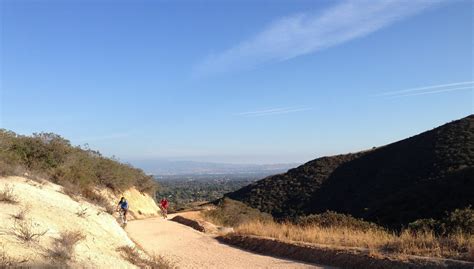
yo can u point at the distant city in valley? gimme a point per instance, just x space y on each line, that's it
169 168
184 188
187 189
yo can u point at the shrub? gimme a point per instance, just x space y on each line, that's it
133 255
77 169
21 214
423 225
7 168
82 212
333 219
93 196
26 231
109 209
63 248
233 213
459 221
7 195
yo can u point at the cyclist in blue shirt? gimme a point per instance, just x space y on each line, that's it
123 207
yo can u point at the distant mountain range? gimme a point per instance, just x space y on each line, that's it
419 177
167 167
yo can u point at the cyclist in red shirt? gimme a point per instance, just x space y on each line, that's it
164 207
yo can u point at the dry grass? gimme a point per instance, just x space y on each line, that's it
459 246
133 255
82 212
27 231
22 213
63 249
7 195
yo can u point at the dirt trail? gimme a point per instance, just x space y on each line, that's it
189 248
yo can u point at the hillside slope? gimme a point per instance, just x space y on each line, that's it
419 177
78 169
51 211
141 205
81 171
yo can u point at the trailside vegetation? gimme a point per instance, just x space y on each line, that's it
78 169
447 237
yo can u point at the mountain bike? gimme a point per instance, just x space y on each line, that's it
123 220
163 212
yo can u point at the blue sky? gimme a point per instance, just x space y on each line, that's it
234 81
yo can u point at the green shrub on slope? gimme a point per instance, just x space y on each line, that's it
49 155
459 221
330 219
233 213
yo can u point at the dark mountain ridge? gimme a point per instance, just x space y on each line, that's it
419 177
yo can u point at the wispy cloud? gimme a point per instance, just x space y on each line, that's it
273 111
305 33
437 91
425 88
433 89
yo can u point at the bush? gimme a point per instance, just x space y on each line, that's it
109 209
332 219
459 221
423 225
63 248
81 212
233 213
77 169
7 195
21 214
26 231
7 169
133 255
